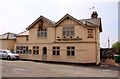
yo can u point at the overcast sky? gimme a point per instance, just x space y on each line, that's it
17 15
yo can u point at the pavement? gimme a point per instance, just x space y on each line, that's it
40 69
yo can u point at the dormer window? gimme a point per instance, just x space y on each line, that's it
42 32
68 31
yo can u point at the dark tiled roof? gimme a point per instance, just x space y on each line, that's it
93 22
8 35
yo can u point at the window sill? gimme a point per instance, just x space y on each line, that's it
55 55
70 56
35 54
41 37
90 37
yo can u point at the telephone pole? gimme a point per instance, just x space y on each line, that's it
108 43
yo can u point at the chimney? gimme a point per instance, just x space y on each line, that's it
94 15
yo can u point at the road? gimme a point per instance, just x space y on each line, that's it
39 69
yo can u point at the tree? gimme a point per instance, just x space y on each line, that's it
116 46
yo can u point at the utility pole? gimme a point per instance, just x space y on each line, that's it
108 43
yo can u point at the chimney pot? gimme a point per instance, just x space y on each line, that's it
94 15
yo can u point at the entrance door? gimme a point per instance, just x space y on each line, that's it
44 54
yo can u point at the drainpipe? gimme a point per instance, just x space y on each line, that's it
96 47
8 35
55 34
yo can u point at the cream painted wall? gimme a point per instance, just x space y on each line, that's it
87 50
50 36
3 44
21 39
7 44
80 31
84 53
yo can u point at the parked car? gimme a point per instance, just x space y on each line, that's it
7 54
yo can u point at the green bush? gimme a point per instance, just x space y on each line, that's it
117 58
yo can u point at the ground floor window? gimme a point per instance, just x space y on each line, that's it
70 51
56 50
22 49
36 50
18 49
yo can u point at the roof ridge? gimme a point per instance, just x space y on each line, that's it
8 35
48 19
90 19
22 32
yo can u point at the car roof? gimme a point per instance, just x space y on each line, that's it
4 50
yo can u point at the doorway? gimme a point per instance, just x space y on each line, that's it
44 54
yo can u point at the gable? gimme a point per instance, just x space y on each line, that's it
68 20
40 22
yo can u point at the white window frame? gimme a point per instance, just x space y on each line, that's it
56 50
22 49
42 32
71 51
35 50
90 33
68 31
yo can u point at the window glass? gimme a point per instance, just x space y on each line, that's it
56 50
70 51
22 49
27 38
42 32
90 33
68 31
36 50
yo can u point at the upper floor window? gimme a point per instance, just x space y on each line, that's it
70 51
27 38
42 32
90 33
68 31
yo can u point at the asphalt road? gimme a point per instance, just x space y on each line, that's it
40 69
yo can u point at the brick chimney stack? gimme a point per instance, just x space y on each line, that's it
94 15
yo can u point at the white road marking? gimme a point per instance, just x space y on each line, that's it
21 69
107 70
